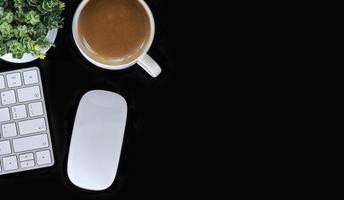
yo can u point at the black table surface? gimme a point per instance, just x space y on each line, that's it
147 164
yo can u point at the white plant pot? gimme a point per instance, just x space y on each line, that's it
27 57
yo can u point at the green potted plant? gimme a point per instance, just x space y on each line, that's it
28 28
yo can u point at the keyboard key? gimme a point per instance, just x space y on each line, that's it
30 77
30 143
25 164
26 156
35 109
14 80
19 112
4 114
8 97
5 147
2 82
10 163
31 126
43 157
9 130
28 94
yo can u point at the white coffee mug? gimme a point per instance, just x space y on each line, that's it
144 60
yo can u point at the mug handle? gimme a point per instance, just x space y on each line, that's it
149 65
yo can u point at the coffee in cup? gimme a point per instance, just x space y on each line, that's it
115 34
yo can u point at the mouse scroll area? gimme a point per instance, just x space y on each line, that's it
96 141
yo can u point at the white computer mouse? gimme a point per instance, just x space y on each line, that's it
96 141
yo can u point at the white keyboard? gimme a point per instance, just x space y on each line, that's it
25 142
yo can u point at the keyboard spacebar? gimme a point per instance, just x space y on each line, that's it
30 143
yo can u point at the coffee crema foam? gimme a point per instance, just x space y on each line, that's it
114 32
